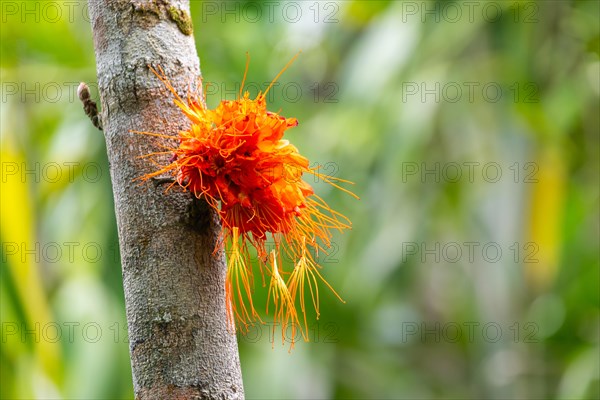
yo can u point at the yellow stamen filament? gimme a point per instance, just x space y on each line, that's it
238 285
306 271
285 311
279 74
245 73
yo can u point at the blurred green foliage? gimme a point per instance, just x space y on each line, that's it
471 131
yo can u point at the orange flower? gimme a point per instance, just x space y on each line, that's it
235 158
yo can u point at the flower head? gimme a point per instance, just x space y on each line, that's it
235 157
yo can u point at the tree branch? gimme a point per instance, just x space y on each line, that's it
89 105
180 344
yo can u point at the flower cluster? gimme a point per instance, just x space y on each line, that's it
236 159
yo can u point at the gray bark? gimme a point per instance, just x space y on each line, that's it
180 344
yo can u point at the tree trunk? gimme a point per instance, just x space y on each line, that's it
180 344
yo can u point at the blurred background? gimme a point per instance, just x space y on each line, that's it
471 131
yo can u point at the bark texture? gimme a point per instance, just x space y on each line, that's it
180 345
